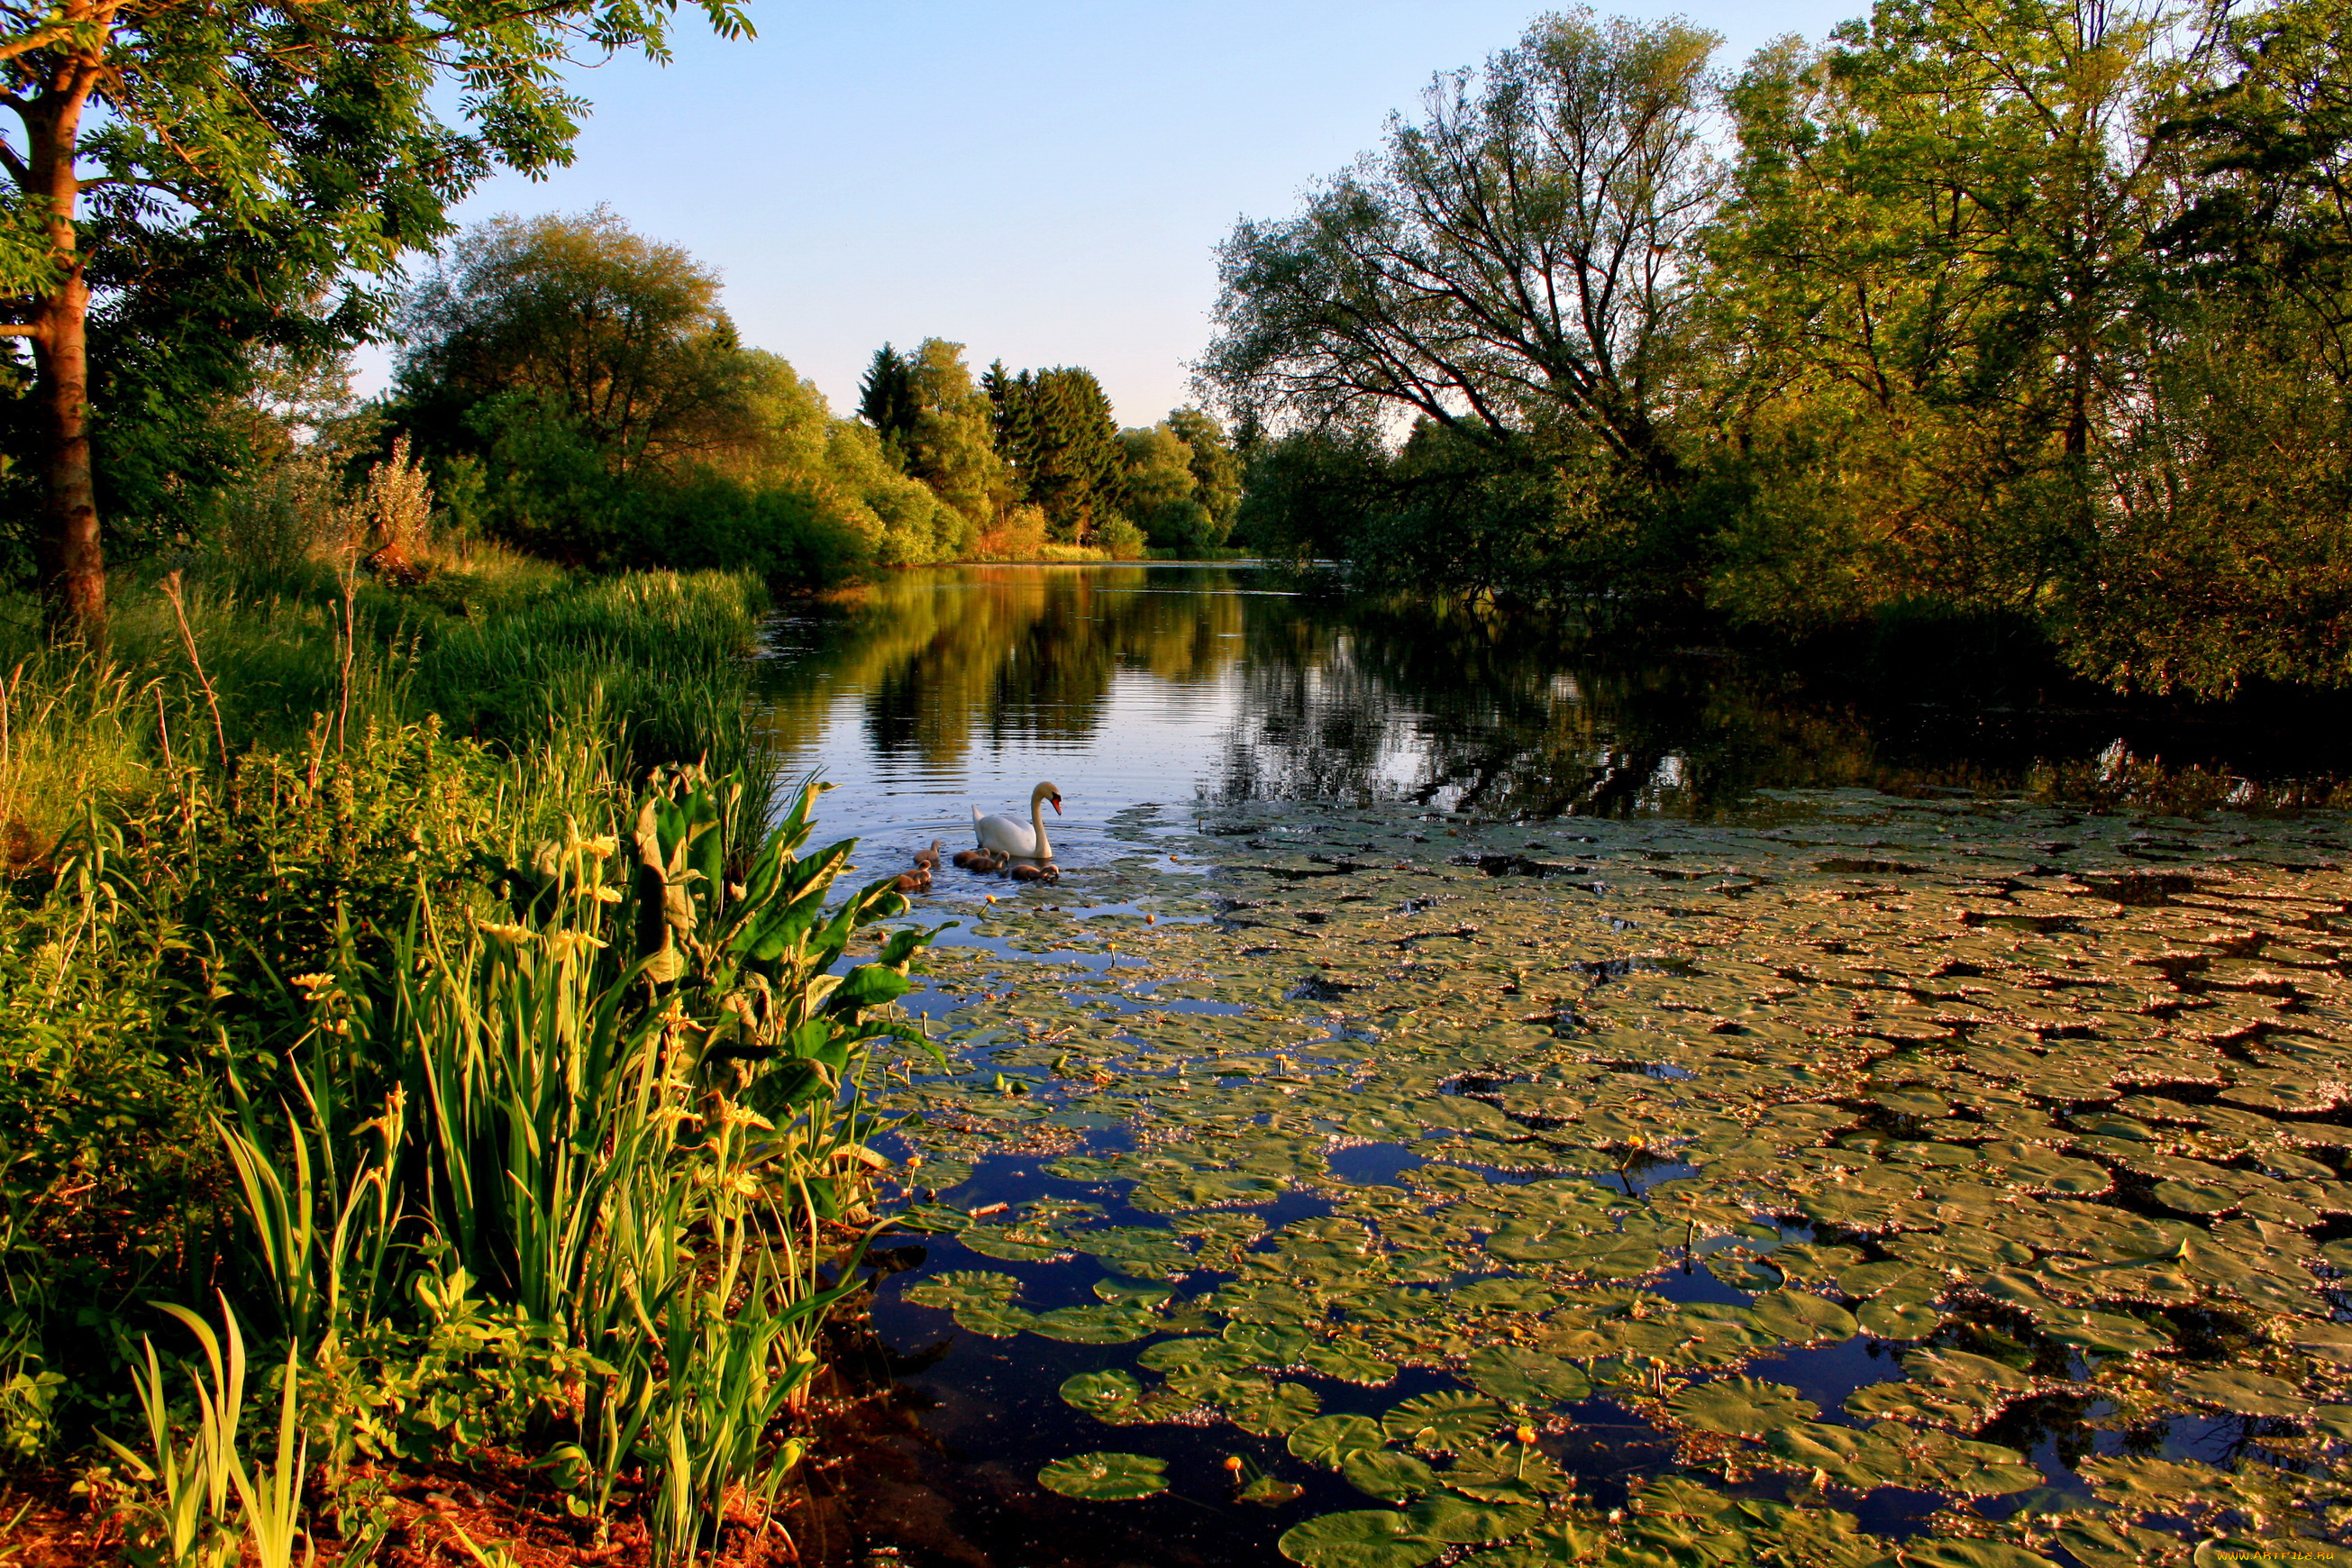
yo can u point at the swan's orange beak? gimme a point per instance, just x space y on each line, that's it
1057 804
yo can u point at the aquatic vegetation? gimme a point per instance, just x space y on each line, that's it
1978 1155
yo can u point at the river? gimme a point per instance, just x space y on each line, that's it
1468 1091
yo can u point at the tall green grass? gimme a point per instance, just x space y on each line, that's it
418 973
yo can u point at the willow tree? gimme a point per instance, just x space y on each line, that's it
1517 258
308 142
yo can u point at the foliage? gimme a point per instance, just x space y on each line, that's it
1055 427
1183 482
249 161
510 1085
589 387
2030 317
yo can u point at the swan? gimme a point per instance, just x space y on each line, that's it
1007 836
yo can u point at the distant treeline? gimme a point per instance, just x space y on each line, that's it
2036 316
574 390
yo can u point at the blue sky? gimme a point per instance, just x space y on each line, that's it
1043 181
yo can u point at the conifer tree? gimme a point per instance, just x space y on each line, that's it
887 400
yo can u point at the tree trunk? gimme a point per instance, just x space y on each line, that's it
68 556
72 561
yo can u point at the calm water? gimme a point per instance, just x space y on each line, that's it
943 689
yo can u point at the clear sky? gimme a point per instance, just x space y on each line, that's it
1043 180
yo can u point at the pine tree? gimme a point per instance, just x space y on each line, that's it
887 400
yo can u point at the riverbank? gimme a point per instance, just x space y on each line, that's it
417 1085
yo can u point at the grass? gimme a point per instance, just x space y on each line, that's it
410 980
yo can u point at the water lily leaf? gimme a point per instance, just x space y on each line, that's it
2196 1197
1387 1475
1367 1538
1014 1245
2332 1420
1281 1408
962 1287
1348 1363
1527 1377
1101 1324
1265 1344
1921 1402
1175 1357
2109 1333
1106 1477
1887 1320
998 1322
2243 1393
1963 1370
1516 1472
1439 1423
1102 1394
1461 1523
1742 1406
1271 1492
1801 1317
1327 1440
2096 1544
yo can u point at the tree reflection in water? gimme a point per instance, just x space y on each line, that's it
1315 699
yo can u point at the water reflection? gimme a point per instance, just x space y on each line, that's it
1131 684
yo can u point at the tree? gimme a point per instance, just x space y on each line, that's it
619 337
1518 257
1217 466
1055 427
887 400
270 150
1161 494
950 441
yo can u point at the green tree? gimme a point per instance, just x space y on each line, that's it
1518 258
267 149
1055 427
619 336
951 442
1160 489
1217 466
887 400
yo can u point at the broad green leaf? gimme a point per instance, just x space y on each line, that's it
1102 1394
1327 1440
1387 1475
1369 1538
1106 1477
1741 1406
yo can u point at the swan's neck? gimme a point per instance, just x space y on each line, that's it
1037 821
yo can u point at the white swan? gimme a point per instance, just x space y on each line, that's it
1008 837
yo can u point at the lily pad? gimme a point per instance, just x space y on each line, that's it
1886 1320
1519 1376
1741 1406
1265 1344
1103 1324
1283 1408
1348 1363
2243 1393
1461 1523
1516 1472
1102 1394
1327 1440
1366 1538
1106 1477
1440 1423
1388 1475
1802 1317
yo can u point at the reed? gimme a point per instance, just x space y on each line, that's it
492 1060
